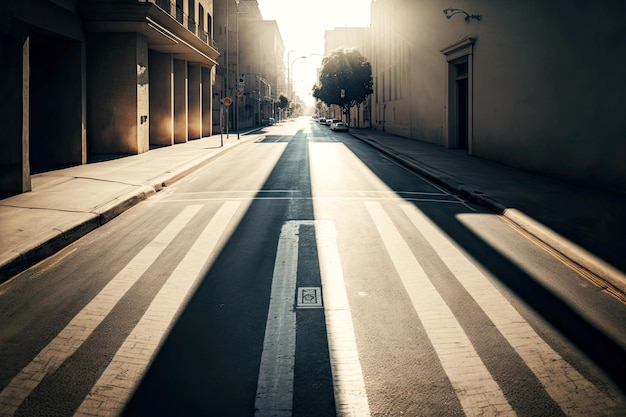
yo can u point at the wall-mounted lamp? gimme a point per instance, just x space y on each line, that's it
449 12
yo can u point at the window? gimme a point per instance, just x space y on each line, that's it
191 23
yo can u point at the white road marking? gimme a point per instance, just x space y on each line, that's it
276 373
568 388
477 391
274 395
86 321
110 393
349 386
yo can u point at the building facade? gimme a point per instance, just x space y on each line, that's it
85 79
251 70
535 85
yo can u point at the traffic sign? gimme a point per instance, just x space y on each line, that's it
227 101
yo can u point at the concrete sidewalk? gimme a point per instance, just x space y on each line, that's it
68 203
583 224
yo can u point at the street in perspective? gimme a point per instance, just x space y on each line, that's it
304 272
213 216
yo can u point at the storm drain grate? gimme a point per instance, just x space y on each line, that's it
309 297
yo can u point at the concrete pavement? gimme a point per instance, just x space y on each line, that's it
583 224
69 203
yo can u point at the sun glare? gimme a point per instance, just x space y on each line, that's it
302 25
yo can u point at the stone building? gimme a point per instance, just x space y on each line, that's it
251 68
83 80
536 85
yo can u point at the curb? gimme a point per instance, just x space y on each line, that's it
57 239
598 271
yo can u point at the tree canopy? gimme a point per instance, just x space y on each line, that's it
283 102
345 79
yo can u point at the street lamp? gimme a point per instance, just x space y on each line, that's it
289 75
237 70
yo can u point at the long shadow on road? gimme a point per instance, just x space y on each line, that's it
209 363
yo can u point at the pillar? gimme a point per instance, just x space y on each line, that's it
194 73
207 101
180 102
14 112
161 98
117 93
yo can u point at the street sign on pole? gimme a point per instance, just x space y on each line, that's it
227 101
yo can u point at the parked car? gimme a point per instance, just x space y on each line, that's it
339 127
333 121
322 120
271 121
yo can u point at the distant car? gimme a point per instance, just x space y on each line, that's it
271 121
322 120
339 127
331 122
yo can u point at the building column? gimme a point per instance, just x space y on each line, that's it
14 115
117 92
195 100
161 98
207 101
180 102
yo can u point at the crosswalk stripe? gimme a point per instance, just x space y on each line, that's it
109 394
86 321
274 395
349 385
477 391
568 388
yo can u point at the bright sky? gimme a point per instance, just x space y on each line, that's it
302 24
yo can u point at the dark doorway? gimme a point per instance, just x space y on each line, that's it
55 116
462 108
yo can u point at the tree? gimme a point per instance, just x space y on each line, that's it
283 102
345 80
283 105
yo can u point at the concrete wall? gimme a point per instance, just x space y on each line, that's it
42 111
208 78
161 98
117 91
194 85
547 84
181 132
14 75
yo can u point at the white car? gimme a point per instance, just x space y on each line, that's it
339 127
331 122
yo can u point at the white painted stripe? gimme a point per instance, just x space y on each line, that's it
119 379
274 395
568 388
349 386
478 393
85 322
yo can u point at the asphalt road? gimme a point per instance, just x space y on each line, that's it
306 274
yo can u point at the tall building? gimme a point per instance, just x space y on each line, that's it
84 79
536 85
251 70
